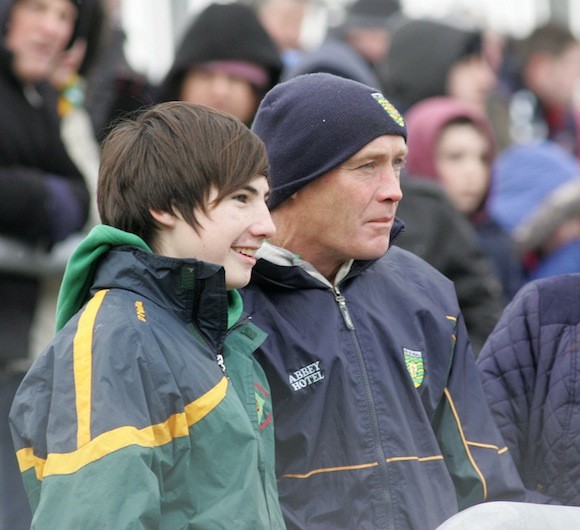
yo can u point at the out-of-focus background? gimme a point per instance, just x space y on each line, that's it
154 27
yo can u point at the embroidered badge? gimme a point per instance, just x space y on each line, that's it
263 406
414 363
389 108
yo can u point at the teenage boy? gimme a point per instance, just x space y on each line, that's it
148 409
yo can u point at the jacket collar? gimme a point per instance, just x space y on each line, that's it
192 290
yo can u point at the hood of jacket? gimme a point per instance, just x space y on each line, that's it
334 57
425 123
222 32
163 275
421 55
525 179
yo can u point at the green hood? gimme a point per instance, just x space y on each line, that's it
80 272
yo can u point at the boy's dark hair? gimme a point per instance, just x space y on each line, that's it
169 157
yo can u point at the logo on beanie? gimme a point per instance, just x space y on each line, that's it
388 106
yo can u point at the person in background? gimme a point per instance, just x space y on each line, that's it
43 199
283 20
377 399
337 56
453 144
112 88
149 400
529 369
535 197
83 148
226 61
368 28
429 58
537 93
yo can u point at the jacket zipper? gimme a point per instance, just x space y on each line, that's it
382 461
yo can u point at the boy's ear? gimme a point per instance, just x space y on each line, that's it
165 219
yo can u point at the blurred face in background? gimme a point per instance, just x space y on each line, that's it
371 42
38 33
221 91
471 80
558 78
462 164
283 20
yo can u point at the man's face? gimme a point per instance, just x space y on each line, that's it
230 234
38 33
349 212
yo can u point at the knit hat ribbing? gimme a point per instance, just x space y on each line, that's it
314 122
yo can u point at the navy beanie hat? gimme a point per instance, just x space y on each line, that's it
314 122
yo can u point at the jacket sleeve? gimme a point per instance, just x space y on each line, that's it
507 367
40 206
104 482
478 460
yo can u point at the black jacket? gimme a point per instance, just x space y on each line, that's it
442 236
30 151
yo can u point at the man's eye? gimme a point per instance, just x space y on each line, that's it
368 165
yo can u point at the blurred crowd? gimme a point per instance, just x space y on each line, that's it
491 185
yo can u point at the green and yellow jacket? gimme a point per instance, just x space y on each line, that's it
148 409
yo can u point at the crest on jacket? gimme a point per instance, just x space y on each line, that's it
415 367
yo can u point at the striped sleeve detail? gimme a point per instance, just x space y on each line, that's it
357 467
466 444
175 426
82 367
91 449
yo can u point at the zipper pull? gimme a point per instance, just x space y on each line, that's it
220 362
343 309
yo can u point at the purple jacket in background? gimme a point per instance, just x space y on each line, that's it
531 375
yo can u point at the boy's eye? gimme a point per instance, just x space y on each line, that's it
240 197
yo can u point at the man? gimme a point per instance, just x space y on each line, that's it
148 409
537 100
382 421
43 198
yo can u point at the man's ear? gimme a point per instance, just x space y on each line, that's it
165 219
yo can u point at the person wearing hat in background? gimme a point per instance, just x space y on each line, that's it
368 27
430 58
226 61
453 144
354 48
381 419
43 198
